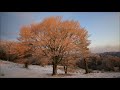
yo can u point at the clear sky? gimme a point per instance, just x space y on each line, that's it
103 27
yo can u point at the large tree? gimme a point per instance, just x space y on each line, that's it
55 38
82 48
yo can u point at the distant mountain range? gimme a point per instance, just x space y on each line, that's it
107 48
111 53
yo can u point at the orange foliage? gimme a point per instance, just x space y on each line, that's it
55 38
19 49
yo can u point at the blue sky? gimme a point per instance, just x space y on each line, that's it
103 27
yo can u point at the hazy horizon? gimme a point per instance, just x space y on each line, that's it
103 27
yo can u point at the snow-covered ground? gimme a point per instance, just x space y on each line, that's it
14 70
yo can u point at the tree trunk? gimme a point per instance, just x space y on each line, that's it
119 68
26 64
65 69
8 58
54 69
86 66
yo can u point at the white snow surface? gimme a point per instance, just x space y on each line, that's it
15 70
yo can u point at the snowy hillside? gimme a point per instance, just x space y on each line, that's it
14 70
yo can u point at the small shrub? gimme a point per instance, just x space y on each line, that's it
2 74
90 70
116 69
